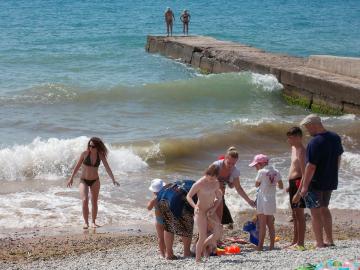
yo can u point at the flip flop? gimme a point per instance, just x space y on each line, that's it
297 248
307 266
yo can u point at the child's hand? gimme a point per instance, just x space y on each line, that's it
287 189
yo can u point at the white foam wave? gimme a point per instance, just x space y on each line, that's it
346 117
58 207
251 121
54 159
154 153
123 160
268 82
351 161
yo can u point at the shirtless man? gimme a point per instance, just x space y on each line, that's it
296 171
209 197
169 18
185 18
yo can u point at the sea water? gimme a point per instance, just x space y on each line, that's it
70 70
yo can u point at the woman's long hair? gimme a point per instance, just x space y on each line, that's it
100 146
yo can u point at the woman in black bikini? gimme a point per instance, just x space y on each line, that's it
90 162
185 18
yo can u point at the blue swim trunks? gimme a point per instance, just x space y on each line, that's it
311 200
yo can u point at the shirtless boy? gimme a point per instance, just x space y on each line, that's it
209 196
297 168
169 18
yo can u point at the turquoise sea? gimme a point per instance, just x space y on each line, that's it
70 70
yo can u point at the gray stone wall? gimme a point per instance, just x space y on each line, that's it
316 82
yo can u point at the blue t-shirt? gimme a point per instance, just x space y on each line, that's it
175 195
324 151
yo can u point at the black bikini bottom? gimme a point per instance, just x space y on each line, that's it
89 183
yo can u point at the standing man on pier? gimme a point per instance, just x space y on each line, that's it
185 18
169 19
323 155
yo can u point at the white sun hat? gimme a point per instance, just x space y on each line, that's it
156 185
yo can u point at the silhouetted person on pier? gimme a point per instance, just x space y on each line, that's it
169 19
185 18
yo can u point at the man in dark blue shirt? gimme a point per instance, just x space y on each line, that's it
323 155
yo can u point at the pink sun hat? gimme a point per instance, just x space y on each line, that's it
261 158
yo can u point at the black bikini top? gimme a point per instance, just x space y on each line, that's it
87 161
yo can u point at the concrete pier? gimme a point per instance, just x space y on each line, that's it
324 84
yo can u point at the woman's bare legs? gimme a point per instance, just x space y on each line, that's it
187 243
94 189
84 196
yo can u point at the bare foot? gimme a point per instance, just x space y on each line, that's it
94 225
85 226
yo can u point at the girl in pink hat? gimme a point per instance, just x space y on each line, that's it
266 180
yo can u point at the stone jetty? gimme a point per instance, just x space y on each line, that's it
326 84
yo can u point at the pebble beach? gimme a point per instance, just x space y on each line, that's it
144 256
138 250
